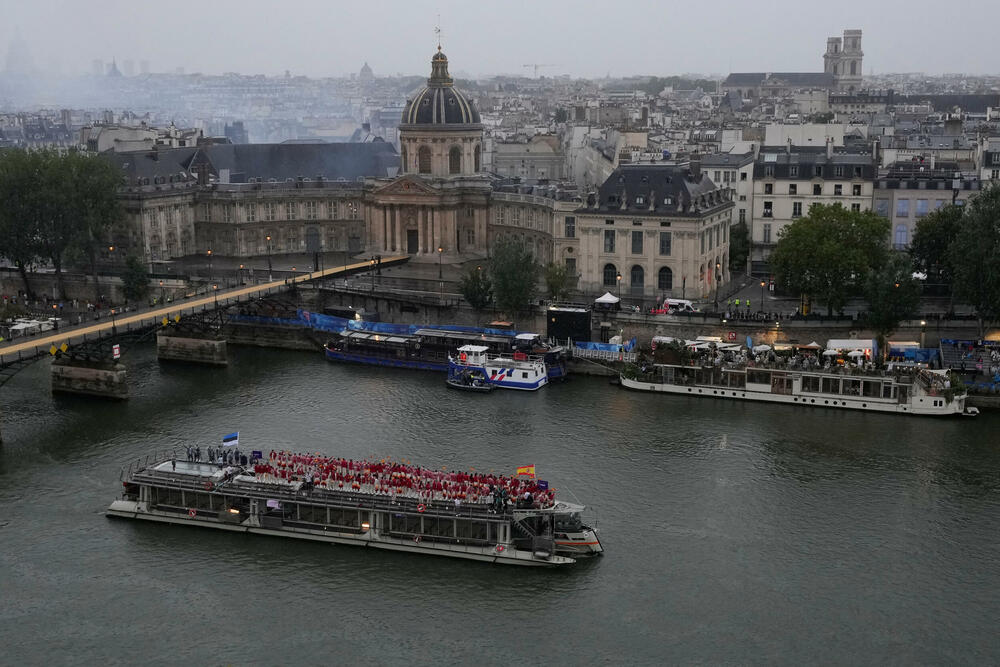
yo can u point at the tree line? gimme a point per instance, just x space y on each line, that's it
832 254
57 208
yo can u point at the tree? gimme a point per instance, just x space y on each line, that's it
828 252
475 286
561 115
557 280
58 221
892 294
974 255
931 240
19 195
739 247
95 199
514 275
135 279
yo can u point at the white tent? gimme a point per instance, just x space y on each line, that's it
855 354
761 348
607 299
831 353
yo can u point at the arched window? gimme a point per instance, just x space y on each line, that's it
902 235
424 159
478 156
665 279
701 271
402 159
854 67
610 275
637 279
455 160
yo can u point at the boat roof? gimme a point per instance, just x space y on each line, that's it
473 348
461 335
526 336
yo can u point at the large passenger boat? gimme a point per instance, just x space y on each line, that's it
376 504
914 391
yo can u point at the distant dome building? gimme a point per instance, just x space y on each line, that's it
366 73
440 133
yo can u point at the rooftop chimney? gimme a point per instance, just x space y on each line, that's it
695 167
829 147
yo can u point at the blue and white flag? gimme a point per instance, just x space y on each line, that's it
231 440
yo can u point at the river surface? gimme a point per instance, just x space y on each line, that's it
735 532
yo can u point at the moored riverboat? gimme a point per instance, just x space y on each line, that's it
375 504
913 391
514 371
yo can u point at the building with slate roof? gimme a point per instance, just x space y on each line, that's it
654 231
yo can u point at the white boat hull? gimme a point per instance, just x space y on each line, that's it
128 509
923 405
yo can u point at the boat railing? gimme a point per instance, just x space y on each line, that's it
143 462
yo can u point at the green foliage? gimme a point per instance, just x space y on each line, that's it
828 253
557 280
135 279
561 115
475 286
932 237
893 295
514 274
19 199
974 255
739 247
55 205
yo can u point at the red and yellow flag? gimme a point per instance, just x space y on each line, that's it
526 470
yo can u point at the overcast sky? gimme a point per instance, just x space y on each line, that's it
661 37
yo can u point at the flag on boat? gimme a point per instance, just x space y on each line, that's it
526 470
231 440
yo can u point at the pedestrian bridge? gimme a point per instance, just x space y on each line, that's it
14 353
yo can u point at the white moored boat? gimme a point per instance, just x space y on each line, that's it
377 504
912 391
516 371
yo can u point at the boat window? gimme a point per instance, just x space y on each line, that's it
810 383
345 518
737 380
470 530
887 390
568 522
439 526
872 389
312 514
831 385
852 387
524 374
758 377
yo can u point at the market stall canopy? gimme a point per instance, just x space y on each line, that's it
761 348
831 353
607 298
811 346
855 354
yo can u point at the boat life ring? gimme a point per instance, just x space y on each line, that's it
192 512
421 507
208 486
416 538
500 548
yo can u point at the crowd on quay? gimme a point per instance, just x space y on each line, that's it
404 480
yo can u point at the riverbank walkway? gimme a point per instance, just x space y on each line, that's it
41 344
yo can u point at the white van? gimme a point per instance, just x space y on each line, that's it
676 306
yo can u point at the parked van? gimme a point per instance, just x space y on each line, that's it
671 306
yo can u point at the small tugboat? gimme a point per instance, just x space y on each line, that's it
468 379
516 371
377 503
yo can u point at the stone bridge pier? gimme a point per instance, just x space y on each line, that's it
208 350
89 378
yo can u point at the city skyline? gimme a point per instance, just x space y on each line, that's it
396 38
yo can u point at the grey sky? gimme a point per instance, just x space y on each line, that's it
326 38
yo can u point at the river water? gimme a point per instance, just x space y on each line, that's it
734 532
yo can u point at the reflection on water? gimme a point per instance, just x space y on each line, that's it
733 531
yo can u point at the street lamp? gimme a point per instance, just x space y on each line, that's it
618 278
718 267
239 276
269 277
371 264
210 264
161 292
440 250
923 332
762 294
215 292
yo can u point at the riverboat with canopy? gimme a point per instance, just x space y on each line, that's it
911 391
374 503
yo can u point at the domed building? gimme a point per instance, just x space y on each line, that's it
438 205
